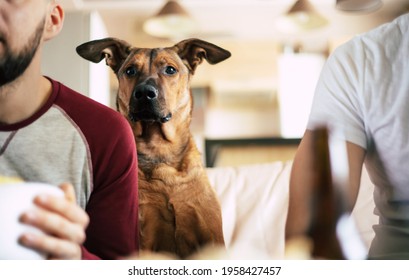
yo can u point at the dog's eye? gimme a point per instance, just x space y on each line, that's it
170 70
131 71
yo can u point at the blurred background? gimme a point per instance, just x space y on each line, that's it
250 108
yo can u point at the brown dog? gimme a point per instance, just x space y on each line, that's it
179 210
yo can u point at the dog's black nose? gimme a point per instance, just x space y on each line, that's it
148 92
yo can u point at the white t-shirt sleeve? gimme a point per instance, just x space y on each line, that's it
337 99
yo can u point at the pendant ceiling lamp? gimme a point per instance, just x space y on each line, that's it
302 16
359 5
172 21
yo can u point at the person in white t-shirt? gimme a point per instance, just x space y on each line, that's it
363 91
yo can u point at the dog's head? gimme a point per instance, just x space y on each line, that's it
153 83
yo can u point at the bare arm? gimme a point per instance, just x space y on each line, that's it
356 156
298 218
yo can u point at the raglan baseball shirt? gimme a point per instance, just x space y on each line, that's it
77 140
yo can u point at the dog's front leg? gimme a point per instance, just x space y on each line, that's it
197 226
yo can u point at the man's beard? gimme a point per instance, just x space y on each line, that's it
13 65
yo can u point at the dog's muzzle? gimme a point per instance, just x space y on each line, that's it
145 105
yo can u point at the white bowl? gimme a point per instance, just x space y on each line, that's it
15 199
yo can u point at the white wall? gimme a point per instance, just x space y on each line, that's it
61 62
298 75
98 73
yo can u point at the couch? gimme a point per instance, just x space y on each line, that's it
254 200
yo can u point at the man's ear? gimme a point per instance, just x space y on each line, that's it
114 51
54 20
193 51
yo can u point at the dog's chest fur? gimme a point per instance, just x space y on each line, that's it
167 197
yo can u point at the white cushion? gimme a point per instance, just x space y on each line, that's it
254 200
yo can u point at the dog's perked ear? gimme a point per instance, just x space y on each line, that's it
114 51
193 51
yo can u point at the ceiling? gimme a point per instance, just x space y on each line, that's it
244 27
234 19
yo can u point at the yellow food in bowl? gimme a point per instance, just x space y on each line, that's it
8 180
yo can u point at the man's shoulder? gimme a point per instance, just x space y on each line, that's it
373 44
75 102
388 35
88 114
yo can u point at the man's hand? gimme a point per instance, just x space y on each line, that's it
63 223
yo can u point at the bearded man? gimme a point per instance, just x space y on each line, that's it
52 134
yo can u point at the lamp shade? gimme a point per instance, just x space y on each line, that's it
172 21
301 17
358 5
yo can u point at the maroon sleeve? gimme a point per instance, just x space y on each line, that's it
87 255
113 203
